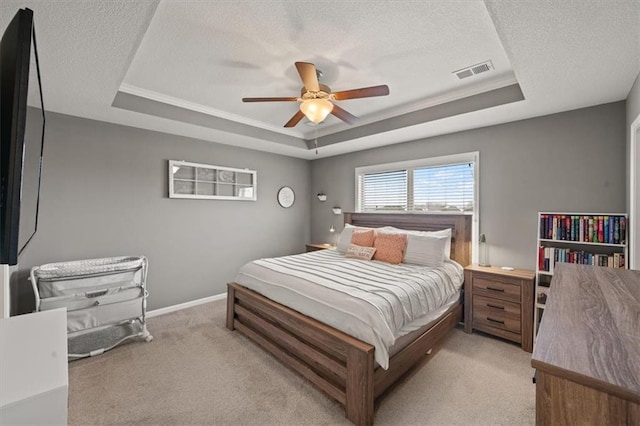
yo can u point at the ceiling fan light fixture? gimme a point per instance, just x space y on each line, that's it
316 110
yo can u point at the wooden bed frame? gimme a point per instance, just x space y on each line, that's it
338 364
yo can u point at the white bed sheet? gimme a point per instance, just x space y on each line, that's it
373 301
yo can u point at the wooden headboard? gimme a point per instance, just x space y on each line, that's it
460 225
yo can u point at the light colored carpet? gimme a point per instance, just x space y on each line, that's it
197 372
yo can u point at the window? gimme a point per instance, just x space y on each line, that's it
384 191
442 184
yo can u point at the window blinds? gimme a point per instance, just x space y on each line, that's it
383 191
424 189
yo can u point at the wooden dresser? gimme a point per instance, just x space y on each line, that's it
587 353
500 302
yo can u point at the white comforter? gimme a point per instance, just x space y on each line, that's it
373 301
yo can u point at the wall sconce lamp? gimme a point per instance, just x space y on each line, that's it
322 196
337 210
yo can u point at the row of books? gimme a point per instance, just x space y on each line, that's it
593 229
549 256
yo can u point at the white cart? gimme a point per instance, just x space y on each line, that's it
105 300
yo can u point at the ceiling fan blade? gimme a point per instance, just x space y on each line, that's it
365 92
269 99
308 75
343 115
295 119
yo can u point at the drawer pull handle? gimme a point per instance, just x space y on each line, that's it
501 290
495 306
495 320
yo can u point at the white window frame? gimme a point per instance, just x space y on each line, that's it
466 157
174 164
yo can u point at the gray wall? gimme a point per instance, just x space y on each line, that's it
572 161
105 193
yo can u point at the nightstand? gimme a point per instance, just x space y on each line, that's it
500 302
319 246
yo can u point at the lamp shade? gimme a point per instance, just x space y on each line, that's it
316 110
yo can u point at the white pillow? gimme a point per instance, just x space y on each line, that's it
425 250
442 233
345 239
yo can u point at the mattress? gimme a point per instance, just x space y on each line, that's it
374 301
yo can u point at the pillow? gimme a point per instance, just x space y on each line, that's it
363 238
426 250
389 247
345 237
360 252
442 233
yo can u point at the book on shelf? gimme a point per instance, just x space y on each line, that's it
549 256
607 229
542 297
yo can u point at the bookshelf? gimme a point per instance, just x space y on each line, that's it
598 239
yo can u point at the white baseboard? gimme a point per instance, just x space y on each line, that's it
185 305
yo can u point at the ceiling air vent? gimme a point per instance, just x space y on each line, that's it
473 70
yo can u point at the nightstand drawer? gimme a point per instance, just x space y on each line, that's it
484 306
495 318
497 289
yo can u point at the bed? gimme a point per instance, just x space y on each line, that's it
339 364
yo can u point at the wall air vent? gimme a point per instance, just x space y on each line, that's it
473 70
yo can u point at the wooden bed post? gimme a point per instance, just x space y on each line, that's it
231 298
359 387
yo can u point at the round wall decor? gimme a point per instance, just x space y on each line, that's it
286 197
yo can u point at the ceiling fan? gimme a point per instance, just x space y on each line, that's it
316 99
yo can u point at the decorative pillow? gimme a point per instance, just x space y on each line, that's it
345 237
425 250
359 252
363 238
389 247
442 233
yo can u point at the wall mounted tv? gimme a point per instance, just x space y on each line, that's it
21 136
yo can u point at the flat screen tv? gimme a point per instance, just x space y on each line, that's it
22 124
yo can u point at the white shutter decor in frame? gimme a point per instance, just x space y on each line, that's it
207 182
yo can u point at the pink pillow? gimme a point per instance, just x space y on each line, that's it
389 247
363 238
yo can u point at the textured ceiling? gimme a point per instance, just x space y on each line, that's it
183 67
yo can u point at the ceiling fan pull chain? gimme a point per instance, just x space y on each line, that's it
316 139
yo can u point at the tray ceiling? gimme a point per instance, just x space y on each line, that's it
183 67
